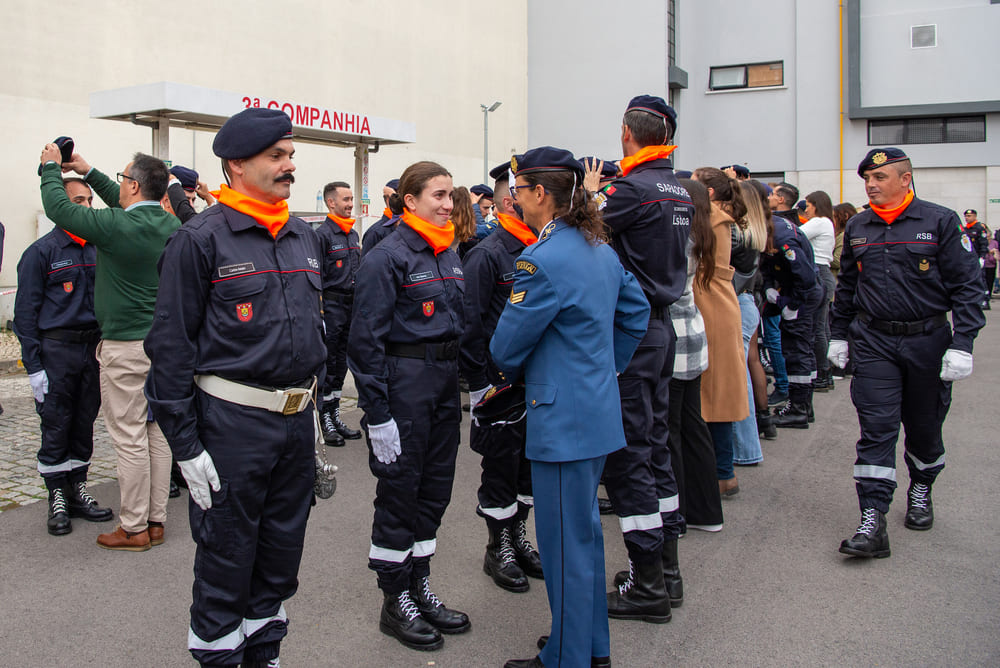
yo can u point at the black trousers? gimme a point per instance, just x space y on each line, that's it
505 484
250 540
413 492
639 477
897 379
68 412
692 454
798 338
337 318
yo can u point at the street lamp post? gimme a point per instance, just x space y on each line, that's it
486 137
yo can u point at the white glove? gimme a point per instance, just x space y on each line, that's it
39 385
836 352
772 295
475 396
956 365
982 262
201 475
789 314
385 441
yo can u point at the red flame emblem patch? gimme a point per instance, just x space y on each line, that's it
429 308
244 312
68 286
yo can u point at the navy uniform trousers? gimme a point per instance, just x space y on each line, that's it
249 543
414 491
505 483
639 477
798 340
897 379
68 412
337 318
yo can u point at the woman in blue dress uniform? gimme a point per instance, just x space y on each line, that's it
574 320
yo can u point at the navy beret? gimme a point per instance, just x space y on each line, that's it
801 205
656 106
683 174
609 170
500 170
877 157
483 190
187 177
972 211
740 170
251 131
66 146
392 183
545 159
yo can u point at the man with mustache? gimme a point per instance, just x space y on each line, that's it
238 350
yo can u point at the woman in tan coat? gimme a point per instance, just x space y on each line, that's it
724 397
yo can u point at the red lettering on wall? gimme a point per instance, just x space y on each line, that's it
325 123
246 103
349 122
271 104
365 130
338 121
313 115
288 109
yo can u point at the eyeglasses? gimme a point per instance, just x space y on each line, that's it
122 177
514 189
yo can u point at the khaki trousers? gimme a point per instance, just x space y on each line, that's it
143 453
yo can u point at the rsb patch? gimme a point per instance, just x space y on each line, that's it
244 312
429 308
68 286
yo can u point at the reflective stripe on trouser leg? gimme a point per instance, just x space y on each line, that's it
797 341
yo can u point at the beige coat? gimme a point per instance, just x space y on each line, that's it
724 384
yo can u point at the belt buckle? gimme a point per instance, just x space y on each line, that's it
292 402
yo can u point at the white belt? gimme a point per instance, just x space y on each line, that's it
288 402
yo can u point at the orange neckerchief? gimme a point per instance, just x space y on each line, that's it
438 238
343 223
645 154
521 232
969 226
79 240
802 219
889 215
271 216
387 212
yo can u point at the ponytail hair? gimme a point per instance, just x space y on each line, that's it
583 213
727 193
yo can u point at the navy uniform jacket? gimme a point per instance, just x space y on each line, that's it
405 294
920 266
237 303
978 237
382 228
574 319
649 214
55 290
489 276
341 256
791 271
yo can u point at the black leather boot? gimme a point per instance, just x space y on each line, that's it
604 506
434 611
82 504
765 425
527 556
919 508
401 619
822 383
643 595
672 573
58 522
793 414
500 562
342 429
595 661
871 538
331 436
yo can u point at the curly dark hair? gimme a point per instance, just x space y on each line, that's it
583 214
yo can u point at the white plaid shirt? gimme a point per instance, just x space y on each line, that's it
691 354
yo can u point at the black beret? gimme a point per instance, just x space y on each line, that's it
187 177
500 170
483 190
683 174
740 170
66 146
251 131
877 157
801 205
972 211
545 159
392 183
609 169
656 106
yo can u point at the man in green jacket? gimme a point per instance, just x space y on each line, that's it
129 237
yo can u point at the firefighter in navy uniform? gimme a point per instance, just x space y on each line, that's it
403 353
341 257
979 237
906 263
649 217
505 491
791 285
54 321
237 351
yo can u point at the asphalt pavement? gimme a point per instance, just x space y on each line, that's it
769 590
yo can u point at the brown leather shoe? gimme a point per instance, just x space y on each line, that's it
729 488
119 539
155 533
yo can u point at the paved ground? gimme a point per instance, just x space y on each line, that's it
769 590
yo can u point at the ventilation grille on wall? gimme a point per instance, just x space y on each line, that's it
923 37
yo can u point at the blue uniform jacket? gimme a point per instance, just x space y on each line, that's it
237 303
341 256
489 276
919 266
792 270
55 290
574 319
382 228
649 214
405 294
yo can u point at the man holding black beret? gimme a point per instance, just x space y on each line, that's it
237 350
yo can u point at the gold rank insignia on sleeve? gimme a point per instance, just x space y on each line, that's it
517 297
924 264
524 265
879 158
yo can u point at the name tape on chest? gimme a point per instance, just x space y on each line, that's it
524 265
421 276
859 241
236 269
61 263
